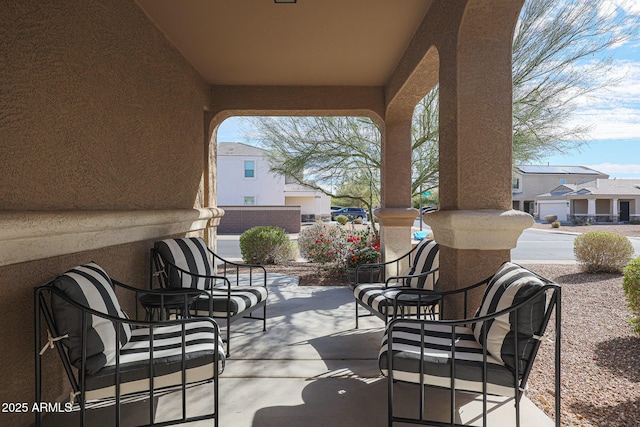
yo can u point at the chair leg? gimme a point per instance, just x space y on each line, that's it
264 317
228 336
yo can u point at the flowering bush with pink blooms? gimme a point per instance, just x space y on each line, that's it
364 248
341 246
323 243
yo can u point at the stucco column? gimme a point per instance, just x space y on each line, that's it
476 225
209 175
591 210
614 215
396 215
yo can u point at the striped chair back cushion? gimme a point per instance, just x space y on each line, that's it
511 285
425 259
190 254
90 286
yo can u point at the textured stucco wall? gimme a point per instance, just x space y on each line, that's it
98 111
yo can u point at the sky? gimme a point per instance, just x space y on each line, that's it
612 114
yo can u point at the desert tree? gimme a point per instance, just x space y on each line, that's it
559 58
339 156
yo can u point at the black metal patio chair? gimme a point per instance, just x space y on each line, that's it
491 353
234 290
385 298
110 359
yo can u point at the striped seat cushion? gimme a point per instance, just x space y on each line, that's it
511 285
90 286
242 298
190 254
426 258
167 358
371 295
436 361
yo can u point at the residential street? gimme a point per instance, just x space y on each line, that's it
534 246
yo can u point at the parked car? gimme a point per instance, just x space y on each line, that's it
351 213
335 208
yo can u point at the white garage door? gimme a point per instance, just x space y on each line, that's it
558 209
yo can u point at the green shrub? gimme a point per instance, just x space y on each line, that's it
631 285
555 224
266 245
602 251
342 219
358 221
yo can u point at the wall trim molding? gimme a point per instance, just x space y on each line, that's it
483 229
32 235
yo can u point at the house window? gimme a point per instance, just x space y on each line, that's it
249 200
515 183
563 181
249 169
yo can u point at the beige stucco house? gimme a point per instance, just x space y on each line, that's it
109 115
531 180
600 200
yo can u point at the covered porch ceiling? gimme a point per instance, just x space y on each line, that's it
310 43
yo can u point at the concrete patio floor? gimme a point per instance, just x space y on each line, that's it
310 369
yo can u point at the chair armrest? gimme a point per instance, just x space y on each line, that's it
161 267
466 289
470 320
236 264
382 264
133 322
237 267
416 291
160 291
410 276
214 278
168 265
167 297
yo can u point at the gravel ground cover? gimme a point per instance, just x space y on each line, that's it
630 230
600 357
